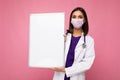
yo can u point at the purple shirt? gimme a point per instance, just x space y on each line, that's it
70 56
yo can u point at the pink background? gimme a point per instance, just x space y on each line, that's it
104 21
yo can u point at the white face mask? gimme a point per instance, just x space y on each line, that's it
77 23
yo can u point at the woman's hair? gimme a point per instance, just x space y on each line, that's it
85 26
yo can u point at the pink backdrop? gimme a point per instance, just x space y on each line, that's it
104 17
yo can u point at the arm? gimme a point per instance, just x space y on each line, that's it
60 69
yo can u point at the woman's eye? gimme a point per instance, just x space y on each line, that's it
80 17
73 16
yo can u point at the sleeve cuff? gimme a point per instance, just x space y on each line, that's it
67 71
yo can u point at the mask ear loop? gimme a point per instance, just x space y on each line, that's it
84 44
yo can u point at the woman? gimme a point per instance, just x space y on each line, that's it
79 48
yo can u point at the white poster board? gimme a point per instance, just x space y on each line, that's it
46 41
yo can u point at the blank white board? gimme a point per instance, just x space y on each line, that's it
46 41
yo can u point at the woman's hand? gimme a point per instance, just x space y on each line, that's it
65 37
60 69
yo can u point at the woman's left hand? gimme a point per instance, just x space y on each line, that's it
58 69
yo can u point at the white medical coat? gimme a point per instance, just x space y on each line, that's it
83 60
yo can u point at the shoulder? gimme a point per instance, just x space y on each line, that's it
68 35
89 39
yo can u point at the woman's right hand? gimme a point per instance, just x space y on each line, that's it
65 37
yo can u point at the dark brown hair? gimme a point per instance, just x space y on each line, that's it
85 26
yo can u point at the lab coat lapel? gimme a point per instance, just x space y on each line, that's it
81 41
79 50
67 45
68 41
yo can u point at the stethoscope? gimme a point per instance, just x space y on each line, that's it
84 44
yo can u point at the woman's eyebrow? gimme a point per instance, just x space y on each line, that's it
74 16
80 16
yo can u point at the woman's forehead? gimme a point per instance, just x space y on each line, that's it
77 13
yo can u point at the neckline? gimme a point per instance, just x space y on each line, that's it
76 36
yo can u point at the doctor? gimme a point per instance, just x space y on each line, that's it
79 48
